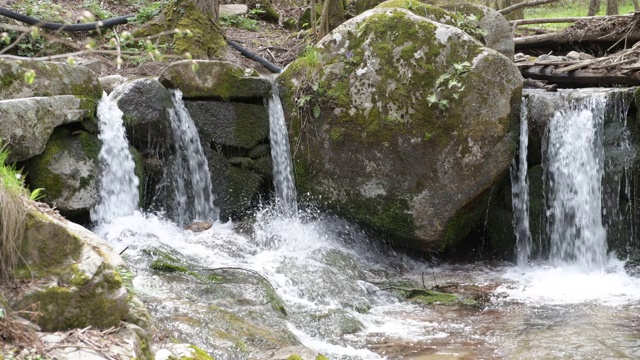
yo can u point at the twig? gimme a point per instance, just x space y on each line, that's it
515 7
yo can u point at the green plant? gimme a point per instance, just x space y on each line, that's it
97 10
448 85
12 214
239 22
148 12
469 24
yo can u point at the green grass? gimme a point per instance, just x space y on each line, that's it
565 8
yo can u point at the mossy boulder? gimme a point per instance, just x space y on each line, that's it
68 172
219 80
77 277
401 123
51 79
27 123
304 22
264 10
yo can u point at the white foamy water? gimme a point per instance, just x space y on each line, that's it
195 202
118 182
520 193
283 178
547 285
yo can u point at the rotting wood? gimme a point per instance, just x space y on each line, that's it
581 76
516 23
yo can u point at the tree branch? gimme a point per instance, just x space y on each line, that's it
521 5
515 23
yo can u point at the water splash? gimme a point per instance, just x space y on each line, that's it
194 202
575 169
118 183
280 152
520 193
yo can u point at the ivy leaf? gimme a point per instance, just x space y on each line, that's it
432 99
316 111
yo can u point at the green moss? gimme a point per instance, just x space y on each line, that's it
90 145
294 357
460 224
274 299
37 167
167 267
7 80
79 278
321 357
198 354
418 8
429 297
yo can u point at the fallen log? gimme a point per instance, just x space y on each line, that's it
576 37
516 23
581 77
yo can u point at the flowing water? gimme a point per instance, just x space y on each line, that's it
118 183
520 193
281 155
340 289
192 182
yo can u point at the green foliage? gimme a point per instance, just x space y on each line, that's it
148 12
46 10
97 10
448 85
239 22
469 24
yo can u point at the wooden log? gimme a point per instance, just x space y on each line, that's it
516 23
581 77
575 37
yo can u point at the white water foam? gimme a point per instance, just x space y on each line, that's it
118 182
547 285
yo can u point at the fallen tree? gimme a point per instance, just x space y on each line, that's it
605 31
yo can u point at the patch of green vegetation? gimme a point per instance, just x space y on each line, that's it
321 357
294 357
148 12
428 297
167 267
97 10
239 22
565 9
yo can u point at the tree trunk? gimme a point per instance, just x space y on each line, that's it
612 7
636 7
333 14
209 7
594 7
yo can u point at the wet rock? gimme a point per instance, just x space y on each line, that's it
215 79
198 226
67 171
111 82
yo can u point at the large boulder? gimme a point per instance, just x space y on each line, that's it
220 80
68 172
401 123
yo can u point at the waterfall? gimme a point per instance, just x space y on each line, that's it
118 182
280 152
520 193
575 159
195 202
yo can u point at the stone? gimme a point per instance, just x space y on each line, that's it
230 124
295 352
68 172
50 79
27 123
498 33
233 9
220 80
78 282
412 121
110 82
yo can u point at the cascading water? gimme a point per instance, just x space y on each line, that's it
575 160
520 193
194 202
118 183
281 155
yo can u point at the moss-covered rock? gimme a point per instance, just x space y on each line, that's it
51 79
264 10
27 123
403 119
220 80
78 285
68 172
304 22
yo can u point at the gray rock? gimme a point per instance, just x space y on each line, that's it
214 79
395 149
230 124
68 172
233 9
50 79
110 82
27 123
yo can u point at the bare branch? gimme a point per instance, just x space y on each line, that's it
521 5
